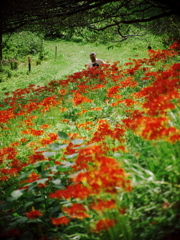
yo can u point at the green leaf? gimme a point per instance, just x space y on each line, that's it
31 186
53 169
48 154
17 193
10 199
24 175
63 135
57 146
41 149
75 226
72 155
55 209
37 164
22 220
56 181
77 141
36 220
67 164
43 180
64 169
16 215
28 204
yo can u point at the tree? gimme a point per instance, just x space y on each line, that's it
96 15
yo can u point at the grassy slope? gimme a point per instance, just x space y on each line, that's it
71 57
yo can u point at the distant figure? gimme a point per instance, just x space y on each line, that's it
94 61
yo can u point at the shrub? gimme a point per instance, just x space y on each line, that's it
21 44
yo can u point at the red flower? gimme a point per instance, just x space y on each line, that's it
51 138
103 204
77 210
98 86
6 115
113 90
72 191
175 45
63 91
174 138
61 220
4 178
35 157
119 148
96 109
14 144
36 132
44 126
33 214
7 153
23 140
128 82
78 99
10 171
104 224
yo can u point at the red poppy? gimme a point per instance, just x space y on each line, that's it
104 224
33 214
72 191
60 221
112 91
77 210
102 205
78 99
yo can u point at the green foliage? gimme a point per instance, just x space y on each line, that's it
14 65
21 44
172 31
167 29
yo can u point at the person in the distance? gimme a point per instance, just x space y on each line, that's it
95 62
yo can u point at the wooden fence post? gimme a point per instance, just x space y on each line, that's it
29 64
55 52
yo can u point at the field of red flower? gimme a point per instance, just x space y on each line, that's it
94 156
